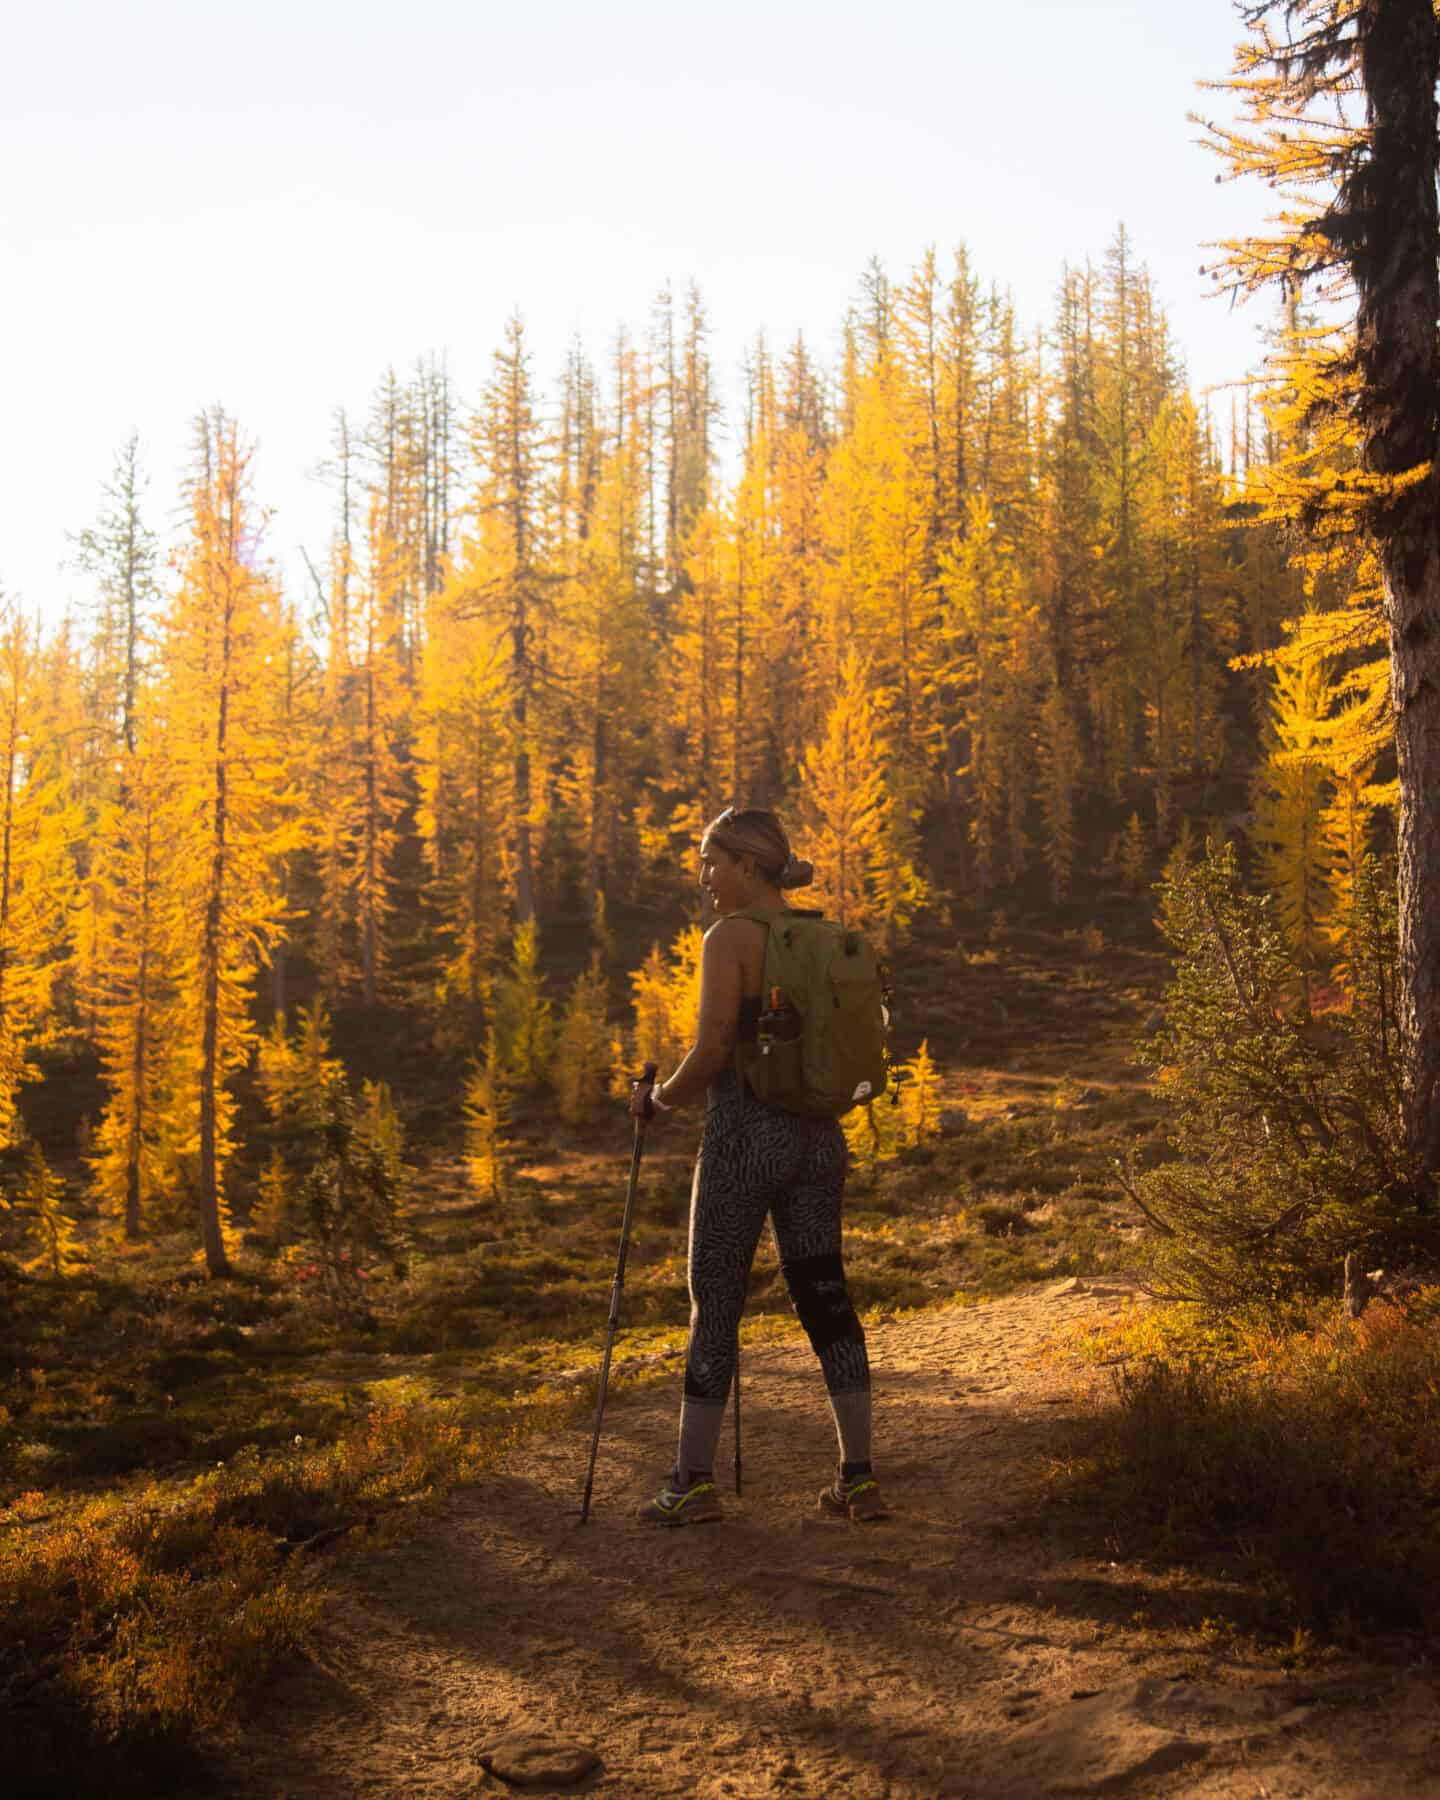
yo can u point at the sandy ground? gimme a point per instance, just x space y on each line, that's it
983 1642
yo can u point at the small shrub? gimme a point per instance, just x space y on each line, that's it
581 1074
1001 1221
41 1199
337 1179
666 1001
1287 1140
874 1133
486 1113
138 1621
1313 1453
919 1089
522 1016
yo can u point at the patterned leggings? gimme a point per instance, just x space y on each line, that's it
765 1161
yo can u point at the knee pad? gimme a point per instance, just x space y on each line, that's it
821 1300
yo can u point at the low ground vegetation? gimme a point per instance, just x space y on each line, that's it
180 1457
1286 1140
1300 1460
1266 1421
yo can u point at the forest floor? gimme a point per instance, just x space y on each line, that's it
984 1640
1002 1634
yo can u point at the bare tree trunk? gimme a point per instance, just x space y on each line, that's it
369 941
737 766
520 778
140 1056
599 776
1393 204
211 1235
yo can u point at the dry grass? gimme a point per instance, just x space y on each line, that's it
1306 1460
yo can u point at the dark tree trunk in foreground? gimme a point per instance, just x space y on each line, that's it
1393 251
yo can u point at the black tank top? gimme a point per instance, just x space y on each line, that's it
747 1030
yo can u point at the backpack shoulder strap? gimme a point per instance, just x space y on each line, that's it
762 915
767 915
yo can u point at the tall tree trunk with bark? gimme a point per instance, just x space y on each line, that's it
1393 205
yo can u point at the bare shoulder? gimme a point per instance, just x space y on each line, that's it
737 945
733 937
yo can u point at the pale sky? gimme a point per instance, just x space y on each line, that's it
267 205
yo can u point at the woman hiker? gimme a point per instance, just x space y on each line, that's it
756 1160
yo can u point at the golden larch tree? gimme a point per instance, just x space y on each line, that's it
135 878
231 789
37 878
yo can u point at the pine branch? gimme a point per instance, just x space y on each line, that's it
1156 1223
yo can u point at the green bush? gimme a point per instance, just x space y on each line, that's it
337 1181
1286 1125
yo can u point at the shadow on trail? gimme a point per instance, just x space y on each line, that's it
777 1651
774 1634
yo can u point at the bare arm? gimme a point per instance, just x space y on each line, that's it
722 982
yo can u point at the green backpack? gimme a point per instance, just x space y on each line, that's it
824 1052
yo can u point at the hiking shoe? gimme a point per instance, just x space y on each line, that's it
859 1500
696 1505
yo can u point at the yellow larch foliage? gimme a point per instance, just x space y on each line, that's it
41 1198
1184 630
610 669
846 807
522 1016
37 879
873 1134
797 568
131 988
234 816
1059 758
1292 792
328 778
919 1085
886 461
1130 853
376 707
666 1002
1346 831
296 1067
700 688
502 580
581 1074
760 649
485 1110
988 629
463 777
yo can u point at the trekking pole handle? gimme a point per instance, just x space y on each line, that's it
642 1088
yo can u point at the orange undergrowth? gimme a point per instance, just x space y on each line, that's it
1309 1456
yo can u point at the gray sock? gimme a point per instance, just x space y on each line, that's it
700 1422
852 1424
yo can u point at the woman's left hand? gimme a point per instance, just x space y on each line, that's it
641 1097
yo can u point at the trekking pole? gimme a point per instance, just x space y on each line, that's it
737 1410
643 1086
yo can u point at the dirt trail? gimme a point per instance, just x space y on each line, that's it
981 1643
